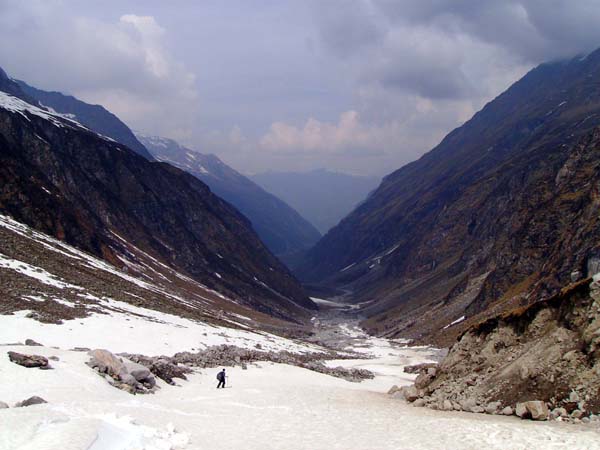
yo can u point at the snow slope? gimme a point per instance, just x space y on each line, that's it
269 406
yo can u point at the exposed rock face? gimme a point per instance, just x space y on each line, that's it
285 232
103 198
29 361
536 359
500 214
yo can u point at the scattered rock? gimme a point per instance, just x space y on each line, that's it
35 400
29 361
32 343
418 368
53 358
577 414
166 370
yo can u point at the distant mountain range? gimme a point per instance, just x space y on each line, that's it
321 196
147 217
285 232
502 213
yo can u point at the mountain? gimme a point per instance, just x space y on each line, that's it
285 232
322 196
95 117
92 193
502 213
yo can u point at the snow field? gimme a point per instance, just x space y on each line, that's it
270 406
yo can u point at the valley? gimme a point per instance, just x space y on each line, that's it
376 224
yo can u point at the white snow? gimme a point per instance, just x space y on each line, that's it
348 267
34 272
128 328
269 406
457 321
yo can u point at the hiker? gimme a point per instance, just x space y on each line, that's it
221 378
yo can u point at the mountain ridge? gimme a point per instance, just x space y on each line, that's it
285 232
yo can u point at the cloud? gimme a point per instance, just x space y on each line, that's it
123 65
349 134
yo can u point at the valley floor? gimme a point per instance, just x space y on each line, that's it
267 406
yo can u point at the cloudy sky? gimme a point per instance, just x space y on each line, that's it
360 86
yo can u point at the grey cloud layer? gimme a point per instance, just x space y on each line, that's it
357 85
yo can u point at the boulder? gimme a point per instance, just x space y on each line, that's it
535 409
3 405
410 393
105 362
423 380
521 410
393 389
29 360
35 400
467 404
492 408
127 378
419 403
32 343
137 371
559 412
447 405
507 411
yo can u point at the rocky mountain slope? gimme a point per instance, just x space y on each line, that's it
99 196
322 196
501 213
541 361
95 117
280 227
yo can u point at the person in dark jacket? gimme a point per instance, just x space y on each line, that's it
221 378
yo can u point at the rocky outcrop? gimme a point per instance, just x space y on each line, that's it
122 373
229 356
29 361
537 362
